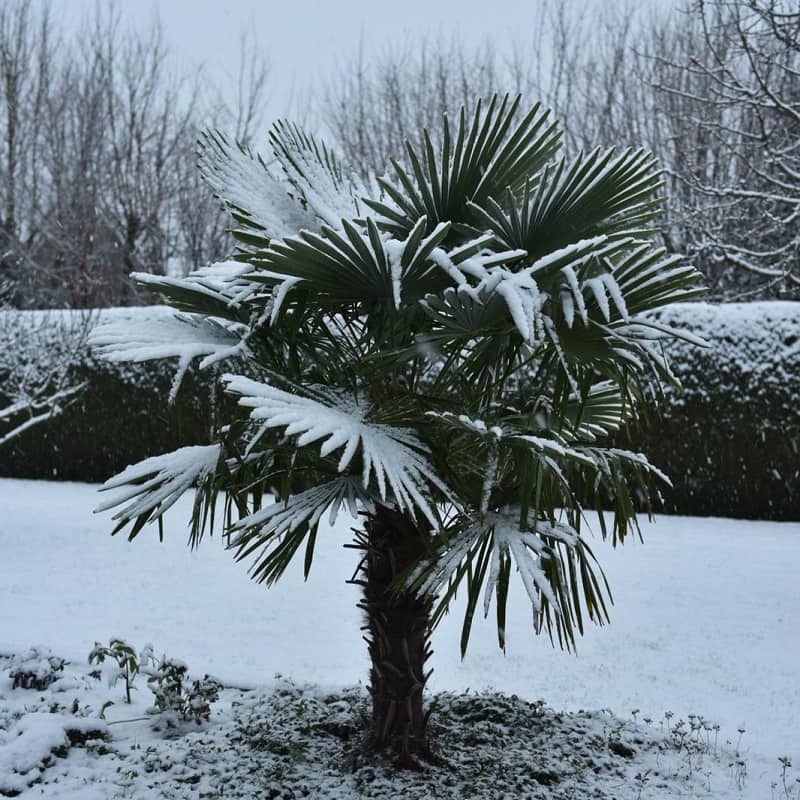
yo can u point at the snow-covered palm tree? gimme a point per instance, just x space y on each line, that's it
442 351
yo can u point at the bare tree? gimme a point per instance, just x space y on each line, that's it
98 139
711 88
746 71
372 110
241 112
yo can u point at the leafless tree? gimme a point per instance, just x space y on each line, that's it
98 141
744 70
712 88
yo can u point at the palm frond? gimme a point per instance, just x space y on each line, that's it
352 265
256 199
154 485
181 336
481 280
316 174
544 553
598 413
598 193
277 531
649 278
391 456
219 290
486 158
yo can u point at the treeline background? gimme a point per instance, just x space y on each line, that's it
98 134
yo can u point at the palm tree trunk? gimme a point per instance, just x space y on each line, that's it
397 636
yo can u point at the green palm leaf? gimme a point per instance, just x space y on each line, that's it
315 173
256 199
486 158
598 193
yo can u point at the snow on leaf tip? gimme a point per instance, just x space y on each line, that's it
155 484
390 455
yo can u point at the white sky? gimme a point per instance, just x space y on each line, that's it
305 39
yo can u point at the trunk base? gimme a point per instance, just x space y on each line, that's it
397 637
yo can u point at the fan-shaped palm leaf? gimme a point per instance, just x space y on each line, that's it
391 456
315 173
277 531
545 555
255 198
154 485
598 193
486 158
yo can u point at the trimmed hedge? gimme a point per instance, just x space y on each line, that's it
730 440
120 418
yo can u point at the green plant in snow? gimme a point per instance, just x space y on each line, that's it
175 698
442 351
119 651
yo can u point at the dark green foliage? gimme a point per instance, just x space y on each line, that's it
36 668
730 441
120 418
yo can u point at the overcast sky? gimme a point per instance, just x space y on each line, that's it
305 39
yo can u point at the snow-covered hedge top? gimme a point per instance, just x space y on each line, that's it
34 317
754 353
39 341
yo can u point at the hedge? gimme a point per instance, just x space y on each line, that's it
730 440
121 417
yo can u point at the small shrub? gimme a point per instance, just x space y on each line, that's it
177 700
36 668
127 664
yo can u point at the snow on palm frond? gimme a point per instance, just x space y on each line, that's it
279 529
467 423
218 290
305 508
484 158
390 455
599 191
527 549
602 291
182 336
152 486
552 449
483 550
316 173
609 460
256 199
521 289
352 264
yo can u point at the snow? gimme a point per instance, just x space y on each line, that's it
155 484
304 508
315 171
31 741
242 181
182 336
755 347
293 740
704 619
388 453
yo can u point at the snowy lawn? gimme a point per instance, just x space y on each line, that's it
704 622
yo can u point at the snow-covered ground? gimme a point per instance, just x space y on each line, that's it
705 618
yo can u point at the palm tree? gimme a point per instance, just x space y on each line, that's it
441 351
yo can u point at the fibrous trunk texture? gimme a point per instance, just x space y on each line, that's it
397 636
